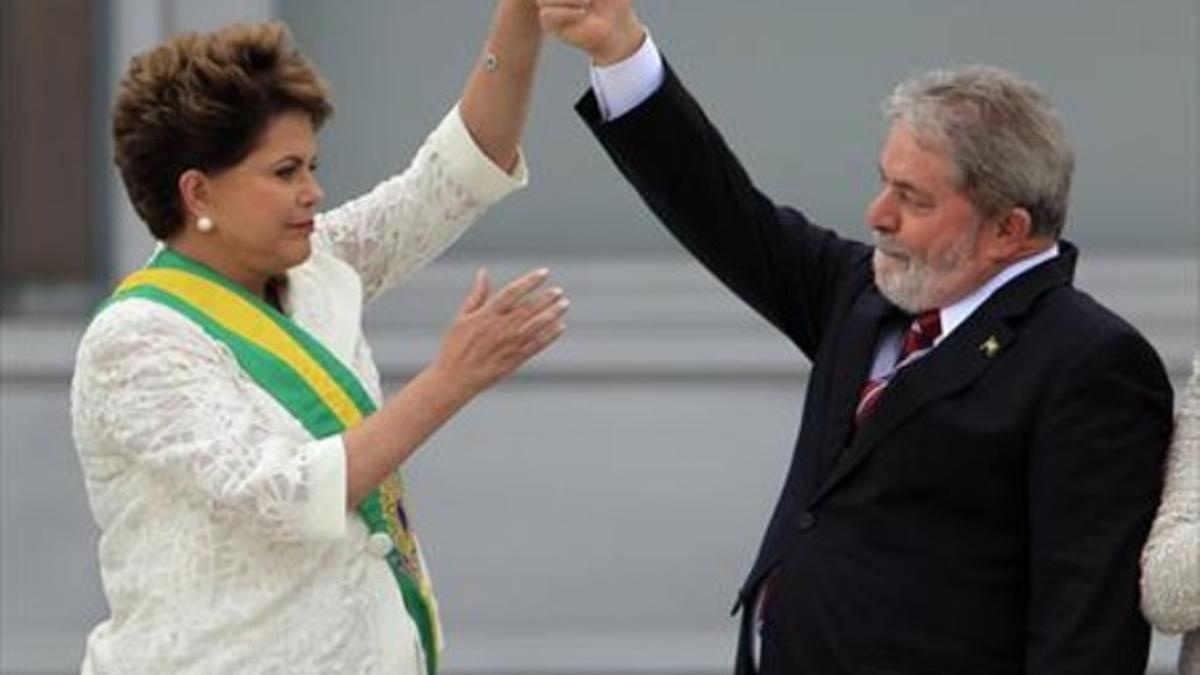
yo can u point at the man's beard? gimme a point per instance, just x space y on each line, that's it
916 284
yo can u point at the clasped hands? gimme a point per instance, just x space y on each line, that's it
607 30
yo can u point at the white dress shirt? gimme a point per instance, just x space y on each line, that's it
622 86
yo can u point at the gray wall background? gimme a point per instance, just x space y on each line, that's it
796 88
595 514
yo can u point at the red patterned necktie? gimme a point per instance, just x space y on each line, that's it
920 336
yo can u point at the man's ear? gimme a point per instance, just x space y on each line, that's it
194 192
1012 235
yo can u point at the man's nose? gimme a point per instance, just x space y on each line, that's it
881 212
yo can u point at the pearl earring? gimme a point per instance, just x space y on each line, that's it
205 224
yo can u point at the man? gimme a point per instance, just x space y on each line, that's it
981 445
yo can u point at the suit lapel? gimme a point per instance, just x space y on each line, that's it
854 354
953 365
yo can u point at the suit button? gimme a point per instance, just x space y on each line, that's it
806 521
380 544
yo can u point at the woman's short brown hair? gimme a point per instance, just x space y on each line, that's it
201 101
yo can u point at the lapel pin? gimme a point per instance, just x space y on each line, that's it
990 346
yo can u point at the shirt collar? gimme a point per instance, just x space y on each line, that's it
954 315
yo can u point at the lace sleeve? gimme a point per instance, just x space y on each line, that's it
152 388
1171 559
411 218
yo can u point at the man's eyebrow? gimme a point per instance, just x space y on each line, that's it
903 184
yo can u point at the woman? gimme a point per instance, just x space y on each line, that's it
239 456
1171 559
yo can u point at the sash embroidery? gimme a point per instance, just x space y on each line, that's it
309 382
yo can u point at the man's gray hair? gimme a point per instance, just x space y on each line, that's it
1003 136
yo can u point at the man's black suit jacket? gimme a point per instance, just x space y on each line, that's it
988 517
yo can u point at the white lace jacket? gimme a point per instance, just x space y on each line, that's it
226 546
1171 559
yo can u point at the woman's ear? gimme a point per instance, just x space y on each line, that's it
194 194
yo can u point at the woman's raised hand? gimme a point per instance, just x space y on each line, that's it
492 336
608 30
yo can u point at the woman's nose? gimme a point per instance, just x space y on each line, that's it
312 194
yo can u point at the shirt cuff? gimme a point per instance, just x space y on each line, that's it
623 86
324 516
469 165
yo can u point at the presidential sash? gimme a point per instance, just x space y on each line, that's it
309 382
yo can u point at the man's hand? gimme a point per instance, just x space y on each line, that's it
608 30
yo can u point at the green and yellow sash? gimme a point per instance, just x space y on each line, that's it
306 379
